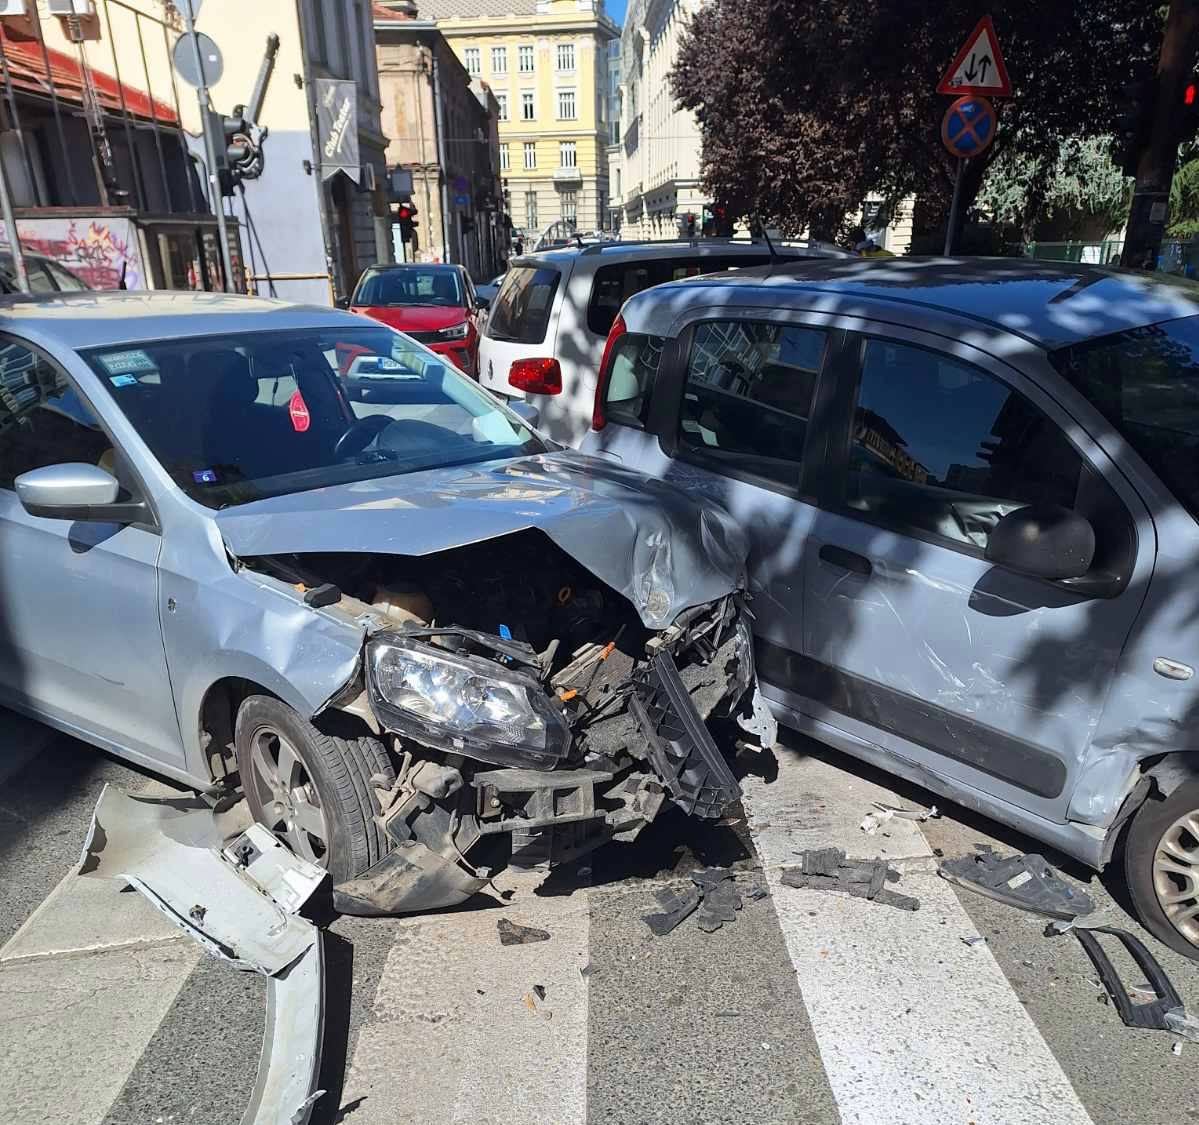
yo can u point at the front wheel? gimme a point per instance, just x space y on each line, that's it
1161 864
315 792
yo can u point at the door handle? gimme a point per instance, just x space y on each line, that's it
847 560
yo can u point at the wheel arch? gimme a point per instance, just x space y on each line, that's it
1160 774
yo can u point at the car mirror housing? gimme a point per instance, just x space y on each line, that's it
1044 541
342 303
526 411
76 491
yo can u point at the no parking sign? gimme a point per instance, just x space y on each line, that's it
969 126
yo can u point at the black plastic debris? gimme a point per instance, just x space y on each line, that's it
829 869
720 904
675 907
1024 881
539 991
707 877
512 934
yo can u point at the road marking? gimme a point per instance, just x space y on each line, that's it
451 1036
912 1024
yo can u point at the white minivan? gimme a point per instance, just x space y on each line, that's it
548 323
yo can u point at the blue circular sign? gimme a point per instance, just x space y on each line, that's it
969 126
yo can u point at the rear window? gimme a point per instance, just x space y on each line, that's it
630 383
615 284
521 309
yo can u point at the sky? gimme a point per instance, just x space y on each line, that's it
615 9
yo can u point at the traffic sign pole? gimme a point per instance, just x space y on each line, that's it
954 207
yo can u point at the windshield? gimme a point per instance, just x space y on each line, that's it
1146 383
238 417
410 285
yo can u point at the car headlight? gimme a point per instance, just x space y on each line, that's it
455 331
464 704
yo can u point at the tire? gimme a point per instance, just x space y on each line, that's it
1163 882
323 803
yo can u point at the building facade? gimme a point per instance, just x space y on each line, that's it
442 127
547 63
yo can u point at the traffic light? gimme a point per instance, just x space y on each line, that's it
716 223
406 217
1135 124
689 224
238 153
1188 112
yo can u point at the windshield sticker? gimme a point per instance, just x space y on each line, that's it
132 360
204 476
123 380
297 408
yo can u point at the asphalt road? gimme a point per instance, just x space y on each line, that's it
808 1008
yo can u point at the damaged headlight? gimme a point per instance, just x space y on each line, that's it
464 704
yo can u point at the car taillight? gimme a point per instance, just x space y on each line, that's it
536 376
598 419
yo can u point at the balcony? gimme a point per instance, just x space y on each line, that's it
566 177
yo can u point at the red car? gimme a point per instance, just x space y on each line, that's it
436 305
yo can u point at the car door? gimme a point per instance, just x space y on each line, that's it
724 411
80 638
911 638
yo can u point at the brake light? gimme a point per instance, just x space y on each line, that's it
598 419
536 376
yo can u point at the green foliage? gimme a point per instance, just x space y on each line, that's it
1078 191
1184 198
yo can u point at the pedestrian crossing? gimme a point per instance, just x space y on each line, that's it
809 1008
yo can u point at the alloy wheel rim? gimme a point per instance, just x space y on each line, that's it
1176 875
290 805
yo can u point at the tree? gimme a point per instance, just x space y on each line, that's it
1184 196
1079 193
806 106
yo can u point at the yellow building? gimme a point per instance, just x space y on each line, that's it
546 61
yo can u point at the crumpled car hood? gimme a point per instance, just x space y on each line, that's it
658 547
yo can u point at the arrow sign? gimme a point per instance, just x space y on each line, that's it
978 68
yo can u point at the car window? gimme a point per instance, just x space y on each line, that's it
748 395
39 277
1146 383
615 284
43 421
240 416
64 279
521 310
410 285
943 449
630 383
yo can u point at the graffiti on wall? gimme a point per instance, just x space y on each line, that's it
99 251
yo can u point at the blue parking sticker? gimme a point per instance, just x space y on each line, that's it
204 476
123 380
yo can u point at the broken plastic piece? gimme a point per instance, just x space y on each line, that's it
721 903
539 991
675 907
1024 881
708 877
977 939
512 934
829 869
1182 1024
411 877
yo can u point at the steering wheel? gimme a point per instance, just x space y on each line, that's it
360 435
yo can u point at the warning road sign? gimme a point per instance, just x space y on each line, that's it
969 126
978 68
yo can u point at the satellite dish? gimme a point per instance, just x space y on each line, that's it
184 56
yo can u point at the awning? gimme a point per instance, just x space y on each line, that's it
27 70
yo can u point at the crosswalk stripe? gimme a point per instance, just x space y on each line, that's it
913 1025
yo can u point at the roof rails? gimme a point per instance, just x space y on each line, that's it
773 250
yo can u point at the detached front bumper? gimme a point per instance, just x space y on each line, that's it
642 732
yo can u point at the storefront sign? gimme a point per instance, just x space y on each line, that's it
337 128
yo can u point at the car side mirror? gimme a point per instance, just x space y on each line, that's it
482 303
527 411
76 491
342 303
1044 541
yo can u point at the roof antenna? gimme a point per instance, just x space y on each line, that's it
774 254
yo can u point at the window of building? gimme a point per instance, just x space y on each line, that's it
570 206
472 57
566 56
504 158
944 450
568 156
748 396
499 60
502 102
528 109
524 58
530 210
530 155
566 105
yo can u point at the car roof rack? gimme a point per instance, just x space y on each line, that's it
794 244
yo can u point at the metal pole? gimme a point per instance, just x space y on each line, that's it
14 237
185 152
954 207
218 202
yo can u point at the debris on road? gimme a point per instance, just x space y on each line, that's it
713 898
829 869
241 903
539 991
977 939
512 934
676 905
1177 1048
1024 881
875 820
1164 1011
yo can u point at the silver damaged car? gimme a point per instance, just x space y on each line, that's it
287 552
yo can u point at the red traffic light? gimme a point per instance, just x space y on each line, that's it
1188 95
405 212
